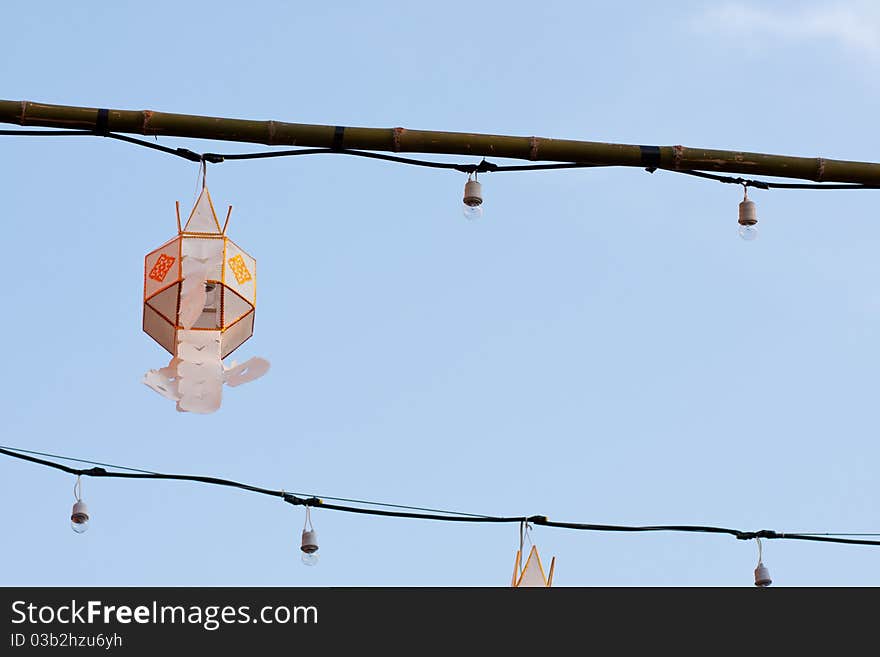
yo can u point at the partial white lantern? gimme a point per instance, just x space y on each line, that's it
532 573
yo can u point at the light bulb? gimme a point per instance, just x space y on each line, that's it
748 219
762 576
79 517
472 200
748 233
309 547
472 212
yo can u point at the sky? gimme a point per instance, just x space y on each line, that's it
599 347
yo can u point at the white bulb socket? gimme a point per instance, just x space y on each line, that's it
80 513
748 213
762 576
473 193
309 541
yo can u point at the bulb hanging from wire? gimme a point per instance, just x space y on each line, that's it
748 218
472 207
762 573
309 545
79 516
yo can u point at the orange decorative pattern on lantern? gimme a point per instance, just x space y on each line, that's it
242 275
160 269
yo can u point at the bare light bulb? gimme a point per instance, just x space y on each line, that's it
762 575
748 219
472 201
309 547
472 212
79 517
748 233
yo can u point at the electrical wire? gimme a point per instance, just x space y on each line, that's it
483 167
435 514
211 480
761 184
70 458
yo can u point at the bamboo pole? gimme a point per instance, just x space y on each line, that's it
402 140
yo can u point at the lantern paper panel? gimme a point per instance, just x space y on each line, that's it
199 305
532 574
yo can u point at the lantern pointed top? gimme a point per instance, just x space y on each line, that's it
532 574
203 219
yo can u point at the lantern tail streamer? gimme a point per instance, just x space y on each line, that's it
164 380
251 369
194 380
200 371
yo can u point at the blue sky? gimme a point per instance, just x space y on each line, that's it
600 347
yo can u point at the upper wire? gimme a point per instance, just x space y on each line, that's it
483 166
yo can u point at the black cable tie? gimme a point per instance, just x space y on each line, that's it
650 157
101 122
764 533
301 501
483 167
338 138
188 154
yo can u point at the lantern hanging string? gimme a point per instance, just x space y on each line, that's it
422 513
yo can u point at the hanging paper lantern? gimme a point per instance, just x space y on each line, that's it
199 302
532 574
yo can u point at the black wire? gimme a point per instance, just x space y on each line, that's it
761 184
483 167
447 516
185 153
9 451
838 534
70 458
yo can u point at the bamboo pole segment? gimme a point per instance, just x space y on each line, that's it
402 140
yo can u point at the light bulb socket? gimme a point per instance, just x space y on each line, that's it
80 513
762 576
309 541
748 213
473 193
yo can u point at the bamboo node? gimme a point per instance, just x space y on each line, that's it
534 142
677 156
148 116
395 138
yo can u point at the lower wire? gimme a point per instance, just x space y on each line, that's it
439 515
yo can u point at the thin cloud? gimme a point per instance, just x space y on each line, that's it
852 26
